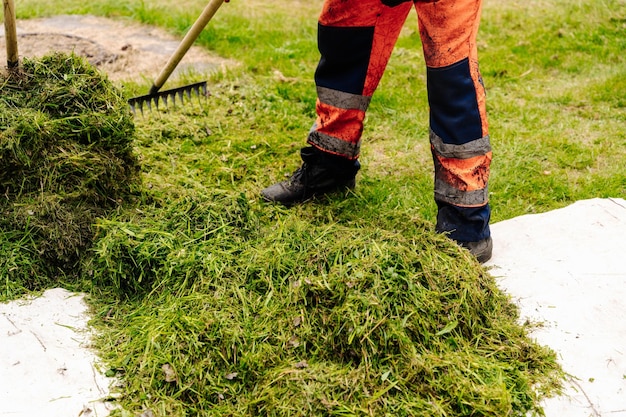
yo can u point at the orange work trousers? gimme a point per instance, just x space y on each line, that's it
355 39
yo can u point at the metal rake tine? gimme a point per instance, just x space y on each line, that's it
134 103
173 97
197 90
205 94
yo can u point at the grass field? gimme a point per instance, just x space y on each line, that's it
211 302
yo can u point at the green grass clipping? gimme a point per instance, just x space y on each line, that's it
66 155
236 312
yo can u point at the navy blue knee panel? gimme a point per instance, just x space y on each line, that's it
454 113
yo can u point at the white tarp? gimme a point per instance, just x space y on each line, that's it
46 366
567 269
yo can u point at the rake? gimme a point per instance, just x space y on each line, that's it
10 33
155 96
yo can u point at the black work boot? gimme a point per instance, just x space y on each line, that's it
481 249
468 227
320 174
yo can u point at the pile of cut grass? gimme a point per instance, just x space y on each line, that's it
243 310
66 154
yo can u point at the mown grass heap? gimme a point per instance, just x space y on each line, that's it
66 155
240 312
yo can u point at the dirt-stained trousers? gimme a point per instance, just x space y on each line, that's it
355 39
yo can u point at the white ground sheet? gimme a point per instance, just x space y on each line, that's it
567 270
46 366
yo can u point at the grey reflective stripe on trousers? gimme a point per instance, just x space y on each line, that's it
333 145
467 150
444 192
343 100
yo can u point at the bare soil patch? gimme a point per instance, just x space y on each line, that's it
122 49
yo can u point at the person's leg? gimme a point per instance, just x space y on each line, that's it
459 133
355 40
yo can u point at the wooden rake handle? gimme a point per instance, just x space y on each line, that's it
188 40
10 33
